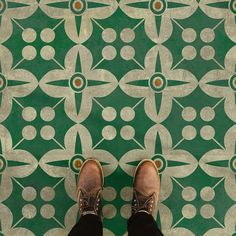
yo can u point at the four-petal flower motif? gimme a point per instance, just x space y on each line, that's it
78 14
67 163
158 15
13 164
158 83
78 83
171 163
222 9
13 82
222 83
14 9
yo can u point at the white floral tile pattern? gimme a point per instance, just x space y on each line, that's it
119 81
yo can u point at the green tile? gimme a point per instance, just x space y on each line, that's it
119 81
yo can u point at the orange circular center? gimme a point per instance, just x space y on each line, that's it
78 82
158 5
158 163
235 82
1 164
78 5
78 164
235 5
234 164
1 82
158 82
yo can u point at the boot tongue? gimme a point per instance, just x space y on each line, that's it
142 202
90 200
142 198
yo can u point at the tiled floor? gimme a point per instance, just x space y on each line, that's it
119 81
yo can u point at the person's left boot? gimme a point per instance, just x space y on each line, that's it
90 185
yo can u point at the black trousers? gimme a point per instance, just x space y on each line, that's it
140 224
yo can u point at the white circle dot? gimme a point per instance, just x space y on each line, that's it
189 53
109 53
127 35
189 132
207 194
126 193
207 211
125 211
29 35
29 53
109 132
29 132
207 35
47 132
109 194
189 35
47 53
189 194
29 211
109 211
207 53
47 114
29 194
107 232
109 35
127 132
47 211
109 114
127 114
127 52
207 113
29 113
47 194
189 211
207 132
189 114
47 35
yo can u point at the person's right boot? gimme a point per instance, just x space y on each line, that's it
146 188
90 185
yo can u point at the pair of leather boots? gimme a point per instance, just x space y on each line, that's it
146 188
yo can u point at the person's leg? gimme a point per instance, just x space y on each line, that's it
90 184
145 199
141 224
88 225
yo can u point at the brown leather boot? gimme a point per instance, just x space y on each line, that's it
146 188
90 185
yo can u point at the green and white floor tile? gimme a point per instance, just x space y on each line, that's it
119 81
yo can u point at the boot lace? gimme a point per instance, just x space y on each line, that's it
142 203
89 202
